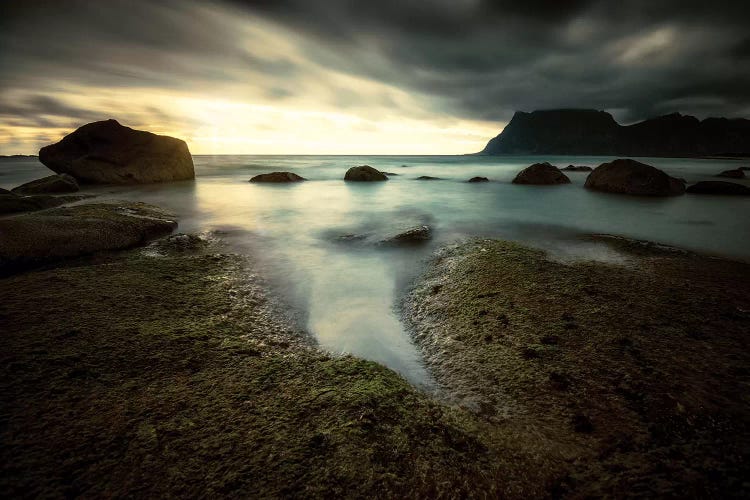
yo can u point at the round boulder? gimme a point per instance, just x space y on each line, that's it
718 187
364 173
106 152
626 176
278 177
478 179
541 173
52 184
736 173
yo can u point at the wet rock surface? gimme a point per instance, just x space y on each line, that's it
364 173
79 230
718 187
626 176
278 177
53 184
541 173
736 173
583 368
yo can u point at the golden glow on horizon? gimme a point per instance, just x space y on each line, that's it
276 100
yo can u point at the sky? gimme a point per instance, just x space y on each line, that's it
359 76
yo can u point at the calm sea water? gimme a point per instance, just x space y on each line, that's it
345 291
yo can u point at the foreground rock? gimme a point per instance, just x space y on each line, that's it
574 168
718 187
541 173
278 177
737 173
52 184
626 176
478 179
182 376
364 173
582 369
79 230
106 152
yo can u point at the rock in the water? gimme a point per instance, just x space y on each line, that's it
417 234
745 168
541 173
390 173
736 173
479 179
577 168
62 183
427 178
626 176
278 177
364 173
718 187
106 152
83 229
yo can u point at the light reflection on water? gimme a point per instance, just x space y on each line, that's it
346 292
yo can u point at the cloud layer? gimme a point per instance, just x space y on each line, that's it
362 69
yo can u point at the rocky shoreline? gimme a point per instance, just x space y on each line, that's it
604 380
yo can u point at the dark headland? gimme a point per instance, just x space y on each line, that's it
592 132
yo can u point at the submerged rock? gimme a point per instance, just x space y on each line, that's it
364 173
63 183
579 168
428 178
79 230
390 173
478 179
718 187
278 177
626 176
541 173
106 152
736 173
412 235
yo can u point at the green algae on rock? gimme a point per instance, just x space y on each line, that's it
601 380
178 375
78 230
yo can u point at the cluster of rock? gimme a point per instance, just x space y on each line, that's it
627 176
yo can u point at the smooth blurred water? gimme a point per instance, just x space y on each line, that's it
345 291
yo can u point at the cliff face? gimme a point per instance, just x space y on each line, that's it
591 132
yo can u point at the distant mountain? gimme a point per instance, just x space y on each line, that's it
591 132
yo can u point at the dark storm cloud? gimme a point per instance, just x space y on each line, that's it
485 59
473 59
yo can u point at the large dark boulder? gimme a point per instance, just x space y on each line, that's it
106 152
718 187
364 173
478 179
541 173
736 173
278 177
626 176
78 230
52 184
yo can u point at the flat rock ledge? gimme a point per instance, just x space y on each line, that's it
64 232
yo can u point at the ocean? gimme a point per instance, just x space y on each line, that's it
316 242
